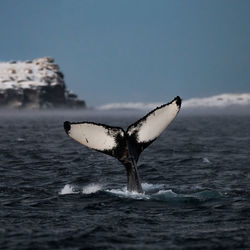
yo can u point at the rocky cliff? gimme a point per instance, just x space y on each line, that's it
37 84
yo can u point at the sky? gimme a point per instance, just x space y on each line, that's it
134 50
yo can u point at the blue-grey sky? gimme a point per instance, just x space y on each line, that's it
134 50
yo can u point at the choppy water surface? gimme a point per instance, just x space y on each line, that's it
57 194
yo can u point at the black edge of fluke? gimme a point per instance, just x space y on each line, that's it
67 126
178 101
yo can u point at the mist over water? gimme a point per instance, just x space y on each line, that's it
58 194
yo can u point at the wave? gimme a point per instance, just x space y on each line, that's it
156 192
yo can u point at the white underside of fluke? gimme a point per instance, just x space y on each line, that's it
95 136
154 123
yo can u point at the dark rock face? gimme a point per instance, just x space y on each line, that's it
37 84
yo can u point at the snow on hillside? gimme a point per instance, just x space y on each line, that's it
217 101
29 74
37 84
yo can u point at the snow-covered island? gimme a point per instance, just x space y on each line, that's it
37 84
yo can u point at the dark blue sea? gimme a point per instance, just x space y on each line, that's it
58 194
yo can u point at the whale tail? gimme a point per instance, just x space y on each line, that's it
127 145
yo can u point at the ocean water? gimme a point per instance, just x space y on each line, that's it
58 194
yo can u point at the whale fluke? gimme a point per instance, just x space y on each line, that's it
125 146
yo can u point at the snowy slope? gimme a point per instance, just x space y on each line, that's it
29 74
37 84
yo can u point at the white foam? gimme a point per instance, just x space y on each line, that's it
149 186
158 194
125 193
205 160
167 192
68 189
146 187
19 139
91 188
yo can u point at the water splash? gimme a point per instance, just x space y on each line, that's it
205 160
19 139
158 193
127 194
147 188
151 192
151 187
68 189
91 188
73 189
